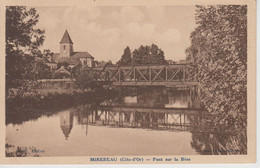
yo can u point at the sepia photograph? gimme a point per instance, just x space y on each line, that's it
112 81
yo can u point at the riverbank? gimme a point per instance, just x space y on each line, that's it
31 105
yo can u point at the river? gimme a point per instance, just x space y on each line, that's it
144 121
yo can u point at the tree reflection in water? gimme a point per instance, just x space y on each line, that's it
215 139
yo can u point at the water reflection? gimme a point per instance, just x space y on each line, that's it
156 97
136 117
66 122
158 109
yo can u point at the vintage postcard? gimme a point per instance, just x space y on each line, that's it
128 82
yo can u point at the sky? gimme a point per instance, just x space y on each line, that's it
105 31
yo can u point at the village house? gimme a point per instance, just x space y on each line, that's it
182 61
51 63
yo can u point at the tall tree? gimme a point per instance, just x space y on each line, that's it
126 57
137 57
156 55
148 55
109 63
219 47
22 44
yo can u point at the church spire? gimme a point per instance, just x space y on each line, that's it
66 45
66 38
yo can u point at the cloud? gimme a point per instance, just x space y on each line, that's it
110 36
155 13
92 28
85 37
170 37
105 31
131 14
141 32
169 42
80 15
47 20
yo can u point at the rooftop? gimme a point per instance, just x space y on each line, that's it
73 59
66 38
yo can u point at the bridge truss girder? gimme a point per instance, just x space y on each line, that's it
144 75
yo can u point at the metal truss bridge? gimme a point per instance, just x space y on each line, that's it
144 75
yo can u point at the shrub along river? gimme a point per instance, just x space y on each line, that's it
135 121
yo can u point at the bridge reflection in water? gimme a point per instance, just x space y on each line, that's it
159 119
158 110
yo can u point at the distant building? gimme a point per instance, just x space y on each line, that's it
170 62
50 63
68 55
62 73
103 63
95 63
182 62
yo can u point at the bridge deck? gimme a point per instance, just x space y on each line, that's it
172 83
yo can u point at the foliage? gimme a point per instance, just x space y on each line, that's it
104 63
109 63
47 53
212 138
144 55
126 57
62 75
87 78
41 69
22 46
49 101
64 71
219 49
148 55
75 71
20 31
64 64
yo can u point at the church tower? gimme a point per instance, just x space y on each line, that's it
66 45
